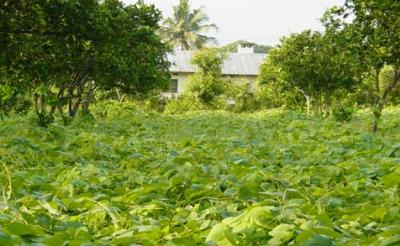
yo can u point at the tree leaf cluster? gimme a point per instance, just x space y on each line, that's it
359 43
72 49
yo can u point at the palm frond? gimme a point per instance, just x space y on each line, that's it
186 28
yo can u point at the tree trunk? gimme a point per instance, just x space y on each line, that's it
380 99
320 111
376 99
60 98
70 99
308 103
328 102
377 116
43 118
89 98
121 98
74 107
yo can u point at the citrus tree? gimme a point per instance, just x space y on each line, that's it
376 35
65 51
311 64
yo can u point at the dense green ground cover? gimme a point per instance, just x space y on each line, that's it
250 179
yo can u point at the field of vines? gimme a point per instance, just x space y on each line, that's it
206 178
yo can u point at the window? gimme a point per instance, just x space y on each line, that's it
173 86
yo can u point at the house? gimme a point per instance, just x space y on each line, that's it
241 66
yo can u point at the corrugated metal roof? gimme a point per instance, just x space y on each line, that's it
235 63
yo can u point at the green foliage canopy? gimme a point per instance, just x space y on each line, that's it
67 50
312 64
376 32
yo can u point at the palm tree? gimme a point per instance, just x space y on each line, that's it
186 28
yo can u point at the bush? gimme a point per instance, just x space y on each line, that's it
271 95
207 83
110 108
234 97
205 88
343 113
182 104
12 101
241 96
156 103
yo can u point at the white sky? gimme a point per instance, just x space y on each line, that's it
259 21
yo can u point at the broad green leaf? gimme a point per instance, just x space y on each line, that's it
318 240
281 234
17 228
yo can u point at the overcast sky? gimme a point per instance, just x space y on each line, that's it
259 21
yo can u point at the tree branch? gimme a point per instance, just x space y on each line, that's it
45 33
392 85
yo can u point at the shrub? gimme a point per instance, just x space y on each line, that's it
240 97
182 104
207 83
343 113
13 101
205 88
156 103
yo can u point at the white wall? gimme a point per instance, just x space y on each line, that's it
182 81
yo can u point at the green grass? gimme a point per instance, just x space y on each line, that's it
237 179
